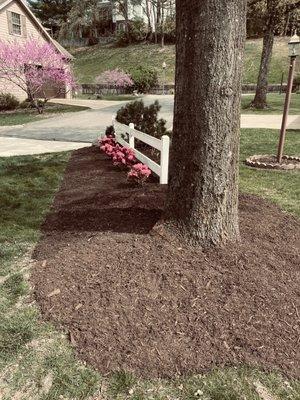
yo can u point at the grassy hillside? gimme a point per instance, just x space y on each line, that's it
91 61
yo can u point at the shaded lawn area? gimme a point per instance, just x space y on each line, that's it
23 116
275 103
37 361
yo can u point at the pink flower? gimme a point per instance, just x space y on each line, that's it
116 78
31 65
139 173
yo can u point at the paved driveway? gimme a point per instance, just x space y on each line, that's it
12 146
85 126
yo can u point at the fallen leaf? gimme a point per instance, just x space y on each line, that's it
263 392
47 383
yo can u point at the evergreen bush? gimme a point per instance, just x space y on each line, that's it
8 102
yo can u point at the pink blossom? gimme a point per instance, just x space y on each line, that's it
31 65
139 173
116 78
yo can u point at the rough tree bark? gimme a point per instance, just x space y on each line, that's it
202 200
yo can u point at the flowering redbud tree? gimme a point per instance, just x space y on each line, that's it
33 65
116 78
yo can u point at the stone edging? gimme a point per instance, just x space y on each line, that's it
254 162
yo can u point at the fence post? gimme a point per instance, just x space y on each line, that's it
131 137
164 160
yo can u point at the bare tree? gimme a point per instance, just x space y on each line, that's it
202 200
275 14
160 10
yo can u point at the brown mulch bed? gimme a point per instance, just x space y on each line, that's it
132 300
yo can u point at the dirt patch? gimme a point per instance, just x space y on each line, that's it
131 300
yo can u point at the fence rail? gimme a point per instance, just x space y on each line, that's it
123 132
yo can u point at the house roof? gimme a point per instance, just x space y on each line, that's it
61 49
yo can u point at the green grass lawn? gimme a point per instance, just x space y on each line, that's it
280 187
275 103
36 360
23 116
92 61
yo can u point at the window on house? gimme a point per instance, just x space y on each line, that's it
16 23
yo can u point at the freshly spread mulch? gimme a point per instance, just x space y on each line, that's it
132 300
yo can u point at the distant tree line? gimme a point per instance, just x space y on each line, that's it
91 18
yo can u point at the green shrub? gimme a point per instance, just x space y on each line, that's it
25 104
137 33
8 102
144 118
144 78
110 131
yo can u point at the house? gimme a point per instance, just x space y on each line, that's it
18 23
134 11
144 9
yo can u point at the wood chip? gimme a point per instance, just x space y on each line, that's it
78 306
226 345
54 293
72 339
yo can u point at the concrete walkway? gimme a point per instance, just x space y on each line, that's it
18 147
269 121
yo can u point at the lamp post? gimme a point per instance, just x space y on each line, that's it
164 66
294 51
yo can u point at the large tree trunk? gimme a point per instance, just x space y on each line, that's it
260 99
202 201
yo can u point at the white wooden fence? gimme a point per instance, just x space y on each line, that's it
163 145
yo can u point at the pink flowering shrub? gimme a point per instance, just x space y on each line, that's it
125 158
108 140
107 145
108 149
121 156
116 78
139 173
